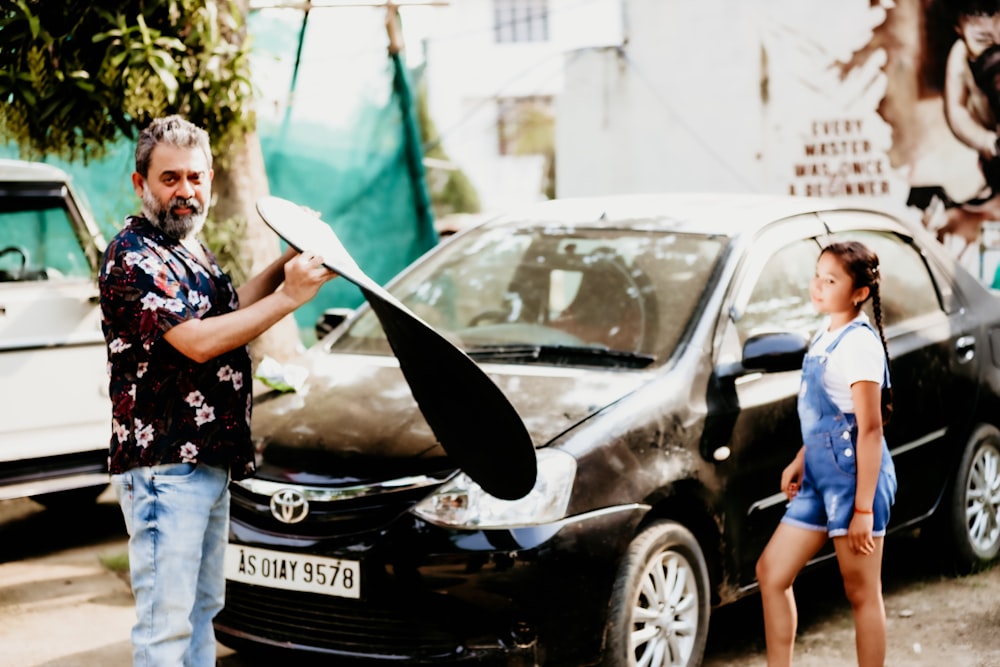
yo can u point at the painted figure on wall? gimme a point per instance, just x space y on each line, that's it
970 97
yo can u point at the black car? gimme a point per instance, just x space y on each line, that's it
652 346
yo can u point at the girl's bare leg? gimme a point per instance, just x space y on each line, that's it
789 549
863 586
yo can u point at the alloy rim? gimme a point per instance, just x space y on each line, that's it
982 500
665 616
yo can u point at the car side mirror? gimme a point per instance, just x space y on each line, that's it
774 352
331 319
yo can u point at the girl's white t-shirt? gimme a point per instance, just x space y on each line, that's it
858 357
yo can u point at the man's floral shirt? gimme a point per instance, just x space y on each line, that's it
167 408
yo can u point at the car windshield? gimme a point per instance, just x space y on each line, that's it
562 295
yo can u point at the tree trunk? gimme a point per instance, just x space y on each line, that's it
239 182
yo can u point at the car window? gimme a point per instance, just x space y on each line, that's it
780 296
625 290
38 241
907 289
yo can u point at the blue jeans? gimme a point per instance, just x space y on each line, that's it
177 517
825 501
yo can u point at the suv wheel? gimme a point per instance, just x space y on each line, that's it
660 602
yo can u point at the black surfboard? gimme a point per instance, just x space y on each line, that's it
472 419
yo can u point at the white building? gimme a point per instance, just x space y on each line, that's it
489 61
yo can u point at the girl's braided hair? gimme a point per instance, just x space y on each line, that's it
863 266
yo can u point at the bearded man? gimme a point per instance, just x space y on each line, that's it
180 382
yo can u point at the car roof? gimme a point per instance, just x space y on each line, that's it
728 214
22 170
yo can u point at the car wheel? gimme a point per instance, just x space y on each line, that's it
659 608
972 514
71 499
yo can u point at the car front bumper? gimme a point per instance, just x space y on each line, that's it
433 595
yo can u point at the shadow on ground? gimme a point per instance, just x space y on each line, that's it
28 530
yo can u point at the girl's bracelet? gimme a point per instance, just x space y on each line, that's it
861 511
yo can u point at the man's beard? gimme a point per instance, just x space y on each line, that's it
163 217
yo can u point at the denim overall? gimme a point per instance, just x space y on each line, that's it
825 501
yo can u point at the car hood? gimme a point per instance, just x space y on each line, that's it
354 420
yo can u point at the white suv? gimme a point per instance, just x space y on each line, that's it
54 405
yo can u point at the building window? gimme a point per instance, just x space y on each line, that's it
525 125
521 20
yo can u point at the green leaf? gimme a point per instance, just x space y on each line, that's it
171 43
144 32
85 85
116 60
34 25
166 76
46 113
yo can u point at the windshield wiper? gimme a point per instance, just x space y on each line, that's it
561 354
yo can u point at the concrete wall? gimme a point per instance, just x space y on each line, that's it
676 108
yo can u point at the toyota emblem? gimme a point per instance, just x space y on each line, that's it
289 506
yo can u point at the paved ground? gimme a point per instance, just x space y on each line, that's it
64 601
62 604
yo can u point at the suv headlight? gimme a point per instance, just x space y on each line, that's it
461 503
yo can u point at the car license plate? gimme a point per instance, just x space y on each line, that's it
293 571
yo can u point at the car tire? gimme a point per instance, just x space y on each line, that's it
71 499
660 604
970 518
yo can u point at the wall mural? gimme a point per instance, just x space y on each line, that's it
892 100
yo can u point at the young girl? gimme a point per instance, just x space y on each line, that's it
842 482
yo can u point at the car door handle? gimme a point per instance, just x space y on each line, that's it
965 346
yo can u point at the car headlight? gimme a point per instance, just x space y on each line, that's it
461 503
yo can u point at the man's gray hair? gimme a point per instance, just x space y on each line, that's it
172 130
